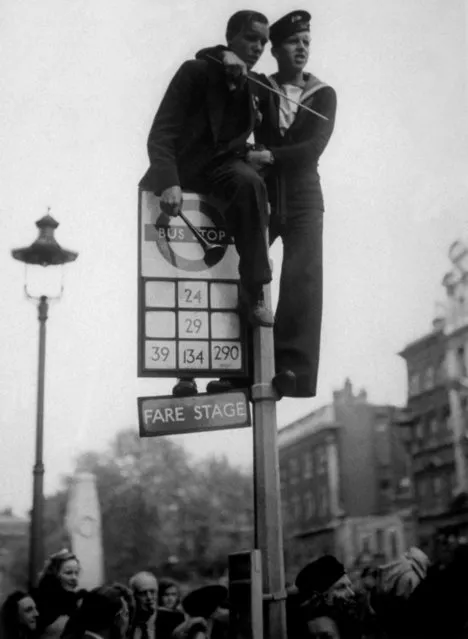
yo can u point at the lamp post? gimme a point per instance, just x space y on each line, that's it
44 251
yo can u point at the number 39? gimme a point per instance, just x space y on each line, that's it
159 353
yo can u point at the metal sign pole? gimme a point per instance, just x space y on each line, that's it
268 529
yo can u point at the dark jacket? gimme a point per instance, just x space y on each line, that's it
184 137
167 621
295 172
53 602
294 176
165 624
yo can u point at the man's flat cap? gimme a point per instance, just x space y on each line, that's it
288 25
319 575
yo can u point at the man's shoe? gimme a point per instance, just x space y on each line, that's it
226 384
219 386
284 383
185 387
254 308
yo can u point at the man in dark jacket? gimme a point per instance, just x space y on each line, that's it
198 142
293 138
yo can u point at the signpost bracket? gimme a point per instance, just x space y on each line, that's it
262 391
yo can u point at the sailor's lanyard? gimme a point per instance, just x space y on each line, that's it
268 87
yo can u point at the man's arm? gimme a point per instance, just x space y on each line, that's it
316 134
168 125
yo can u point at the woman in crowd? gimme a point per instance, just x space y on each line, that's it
18 616
169 594
57 594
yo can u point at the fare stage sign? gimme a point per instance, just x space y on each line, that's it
168 415
188 320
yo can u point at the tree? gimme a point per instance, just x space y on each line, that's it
161 510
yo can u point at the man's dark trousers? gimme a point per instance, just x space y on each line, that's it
243 197
299 312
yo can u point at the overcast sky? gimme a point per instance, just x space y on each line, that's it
80 84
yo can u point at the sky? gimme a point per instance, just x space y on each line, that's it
80 84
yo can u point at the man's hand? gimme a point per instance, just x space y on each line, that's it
171 201
259 159
236 69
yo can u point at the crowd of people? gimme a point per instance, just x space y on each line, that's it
409 598
146 608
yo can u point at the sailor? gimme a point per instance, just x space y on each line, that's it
293 139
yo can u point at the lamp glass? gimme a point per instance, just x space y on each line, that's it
44 280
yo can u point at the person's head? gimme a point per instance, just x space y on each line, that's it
324 621
104 611
247 34
169 594
62 569
19 615
129 607
205 601
327 577
369 578
290 39
341 590
323 627
144 586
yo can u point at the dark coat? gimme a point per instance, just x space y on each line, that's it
296 197
296 153
184 137
165 624
295 173
167 621
53 602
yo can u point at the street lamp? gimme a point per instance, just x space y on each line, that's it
44 251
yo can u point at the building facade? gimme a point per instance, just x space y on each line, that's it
437 367
344 483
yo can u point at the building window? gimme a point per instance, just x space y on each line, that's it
308 464
443 418
420 430
385 484
323 502
461 361
366 544
464 403
413 384
381 427
433 426
309 504
440 372
437 487
453 481
421 489
295 508
293 471
394 544
429 378
321 459
379 540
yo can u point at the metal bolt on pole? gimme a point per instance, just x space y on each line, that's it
268 526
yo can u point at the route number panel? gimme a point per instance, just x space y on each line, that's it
188 322
190 327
